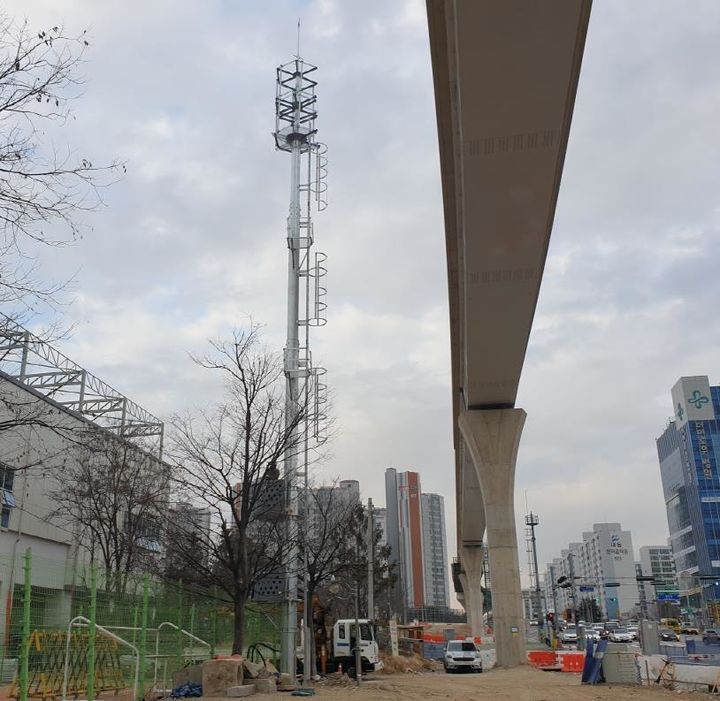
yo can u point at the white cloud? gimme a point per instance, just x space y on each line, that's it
192 240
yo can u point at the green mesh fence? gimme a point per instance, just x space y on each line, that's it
137 633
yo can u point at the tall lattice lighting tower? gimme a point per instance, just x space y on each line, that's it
305 391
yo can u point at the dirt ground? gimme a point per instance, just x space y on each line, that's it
522 684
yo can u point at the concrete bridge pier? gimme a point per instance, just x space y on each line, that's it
471 531
491 438
471 557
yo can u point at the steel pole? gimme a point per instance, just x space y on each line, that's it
92 634
143 638
573 594
292 351
25 644
371 563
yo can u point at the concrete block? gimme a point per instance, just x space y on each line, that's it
270 667
250 669
187 675
220 675
265 686
239 691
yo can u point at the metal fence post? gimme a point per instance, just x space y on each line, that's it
214 634
143 637
179 627
25 644
91 634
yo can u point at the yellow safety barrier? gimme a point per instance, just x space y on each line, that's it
47 665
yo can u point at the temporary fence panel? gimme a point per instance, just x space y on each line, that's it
171 625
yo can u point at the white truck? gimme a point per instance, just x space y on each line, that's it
341 647
343 643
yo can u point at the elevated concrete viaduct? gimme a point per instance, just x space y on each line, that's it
505 74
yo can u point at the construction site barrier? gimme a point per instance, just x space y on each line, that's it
542 658
573 662
51 648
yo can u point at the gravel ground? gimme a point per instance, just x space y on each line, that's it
521 684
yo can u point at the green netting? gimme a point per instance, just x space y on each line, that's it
142 626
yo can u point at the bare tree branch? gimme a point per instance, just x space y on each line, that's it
42 188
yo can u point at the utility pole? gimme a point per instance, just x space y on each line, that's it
371 563
556 613
573 594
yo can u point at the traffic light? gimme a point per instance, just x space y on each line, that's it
550 616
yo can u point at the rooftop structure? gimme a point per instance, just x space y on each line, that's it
39 367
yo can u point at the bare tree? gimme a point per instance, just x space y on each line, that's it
326 543
227 461
42 188
116 495
350 580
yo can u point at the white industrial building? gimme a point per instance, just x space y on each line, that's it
50 411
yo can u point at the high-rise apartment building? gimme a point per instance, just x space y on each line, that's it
415 532
689 453
435 555
604 557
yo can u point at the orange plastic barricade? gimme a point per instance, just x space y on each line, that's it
573 662
542 658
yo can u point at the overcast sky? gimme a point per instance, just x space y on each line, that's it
192 240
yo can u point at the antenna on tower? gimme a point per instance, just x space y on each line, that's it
297 55
305 388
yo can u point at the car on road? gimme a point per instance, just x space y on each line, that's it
462 655
620 635
633 630
687 629
711 635
568 634
668 635
592 634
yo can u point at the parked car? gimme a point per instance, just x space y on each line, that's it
620 635
568 634
462 655
711 635
667 634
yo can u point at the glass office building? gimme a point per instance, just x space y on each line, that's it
689 454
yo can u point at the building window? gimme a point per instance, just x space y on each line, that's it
7 498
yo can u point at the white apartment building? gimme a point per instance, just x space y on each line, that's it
603 557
